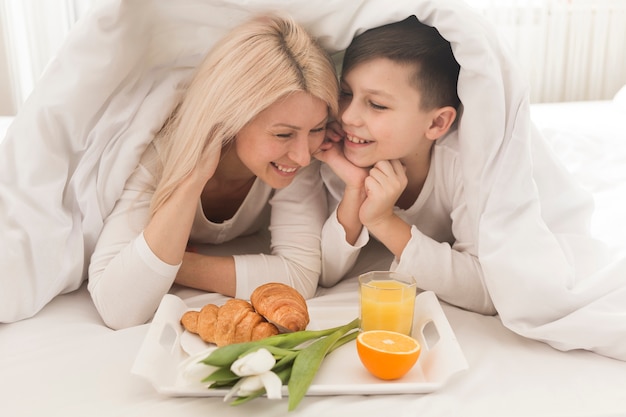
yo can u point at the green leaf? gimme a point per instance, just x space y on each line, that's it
223 384
221 374
343 340
308 362
299 356
241 400
285 361
224 356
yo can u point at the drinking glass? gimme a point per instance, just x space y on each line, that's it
387 301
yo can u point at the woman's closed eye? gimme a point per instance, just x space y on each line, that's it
285 135
290 135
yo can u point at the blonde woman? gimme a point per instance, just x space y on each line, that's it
237 146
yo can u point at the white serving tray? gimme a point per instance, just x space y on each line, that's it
164 350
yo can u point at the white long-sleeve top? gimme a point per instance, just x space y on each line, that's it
127 280
441 253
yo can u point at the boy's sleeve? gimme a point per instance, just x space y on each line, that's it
452 270
454 274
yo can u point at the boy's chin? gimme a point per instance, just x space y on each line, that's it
355 160
361 163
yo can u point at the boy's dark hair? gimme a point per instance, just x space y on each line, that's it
412 42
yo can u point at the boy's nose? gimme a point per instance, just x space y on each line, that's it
349 114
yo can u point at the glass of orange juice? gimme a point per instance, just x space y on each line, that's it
387 301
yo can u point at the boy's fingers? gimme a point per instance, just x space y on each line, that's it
333 136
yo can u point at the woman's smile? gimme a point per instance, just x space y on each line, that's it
284 169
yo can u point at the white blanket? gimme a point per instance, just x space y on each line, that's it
71 148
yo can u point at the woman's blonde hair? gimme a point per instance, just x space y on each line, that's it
248 70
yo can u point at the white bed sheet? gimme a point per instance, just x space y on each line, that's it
590 138
65 362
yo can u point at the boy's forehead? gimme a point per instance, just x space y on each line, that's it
376 74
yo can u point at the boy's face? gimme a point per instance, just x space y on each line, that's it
379 109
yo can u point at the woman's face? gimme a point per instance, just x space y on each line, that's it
280 139
380 112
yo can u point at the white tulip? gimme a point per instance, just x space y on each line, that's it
192 370
254 363
256 370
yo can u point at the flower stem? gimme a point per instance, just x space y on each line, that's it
226 355
309 360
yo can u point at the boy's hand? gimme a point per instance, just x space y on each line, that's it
384 185
331 153
334 132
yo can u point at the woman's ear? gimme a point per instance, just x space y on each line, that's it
442 119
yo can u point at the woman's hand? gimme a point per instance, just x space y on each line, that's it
206 166
167 232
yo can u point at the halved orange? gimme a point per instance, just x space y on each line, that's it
386 354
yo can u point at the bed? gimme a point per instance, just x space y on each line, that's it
65 362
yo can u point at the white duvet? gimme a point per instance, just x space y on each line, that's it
67 155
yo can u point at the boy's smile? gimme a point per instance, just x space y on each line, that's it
354 139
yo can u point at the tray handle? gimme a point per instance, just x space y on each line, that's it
441 354
162 344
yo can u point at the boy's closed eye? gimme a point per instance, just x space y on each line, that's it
347 94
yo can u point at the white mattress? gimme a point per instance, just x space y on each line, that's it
65 362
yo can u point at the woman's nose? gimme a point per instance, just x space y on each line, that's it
300 152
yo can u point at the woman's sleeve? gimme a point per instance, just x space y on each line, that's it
338 256
126 279
298 212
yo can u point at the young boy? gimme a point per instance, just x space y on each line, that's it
394 168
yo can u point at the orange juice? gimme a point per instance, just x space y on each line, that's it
387 304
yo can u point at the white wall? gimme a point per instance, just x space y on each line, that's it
572 68
7 106
31 32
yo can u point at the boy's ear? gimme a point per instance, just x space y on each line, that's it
442 119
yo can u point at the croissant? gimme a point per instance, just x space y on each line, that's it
282 305
234 322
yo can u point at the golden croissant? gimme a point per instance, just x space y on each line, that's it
282 305
240 321
234 322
